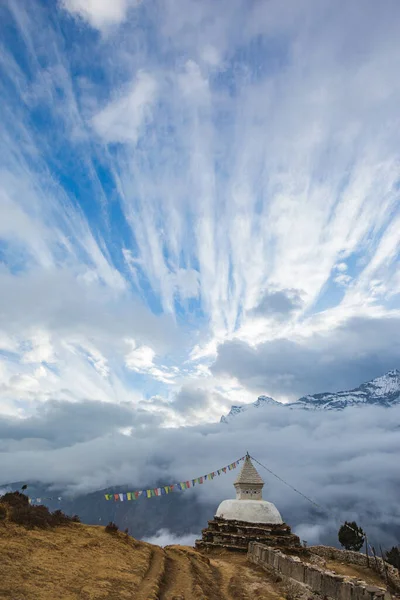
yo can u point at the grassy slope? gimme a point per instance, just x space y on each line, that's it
84 562
78 561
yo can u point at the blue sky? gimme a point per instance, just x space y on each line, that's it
183 179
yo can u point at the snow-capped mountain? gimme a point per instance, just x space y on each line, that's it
384 391
261 401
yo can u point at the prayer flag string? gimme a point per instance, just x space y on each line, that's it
159 491
167 489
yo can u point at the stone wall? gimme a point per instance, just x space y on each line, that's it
356 558
321 582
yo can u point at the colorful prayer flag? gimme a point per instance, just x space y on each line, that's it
161 491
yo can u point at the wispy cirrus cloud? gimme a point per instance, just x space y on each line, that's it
122 119
99 13
194 194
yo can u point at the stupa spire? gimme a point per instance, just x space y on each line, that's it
249 483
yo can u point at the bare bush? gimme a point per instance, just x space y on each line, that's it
111 528
23 513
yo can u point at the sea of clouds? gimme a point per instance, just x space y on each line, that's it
346 462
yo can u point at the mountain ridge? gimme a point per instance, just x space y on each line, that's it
381 391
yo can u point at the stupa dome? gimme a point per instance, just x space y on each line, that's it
249 505
251 511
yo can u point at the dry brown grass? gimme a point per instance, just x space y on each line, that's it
356 571
48 556
86 563
78 561
74 561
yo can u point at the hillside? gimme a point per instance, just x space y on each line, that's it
47 556
85 562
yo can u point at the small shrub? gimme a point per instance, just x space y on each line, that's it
126 531
15 499
351 536
31 516
292 591
3 512
111 527
393 557
59 518
75 519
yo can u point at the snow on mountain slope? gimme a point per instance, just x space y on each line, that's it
383 391
260 402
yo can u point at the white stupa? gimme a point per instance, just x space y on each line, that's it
249 505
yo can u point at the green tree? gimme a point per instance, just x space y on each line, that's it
351 536
393 557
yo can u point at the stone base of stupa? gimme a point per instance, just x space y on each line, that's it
236 535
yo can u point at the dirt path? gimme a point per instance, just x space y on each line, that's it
177 582
189 575
242 580
149 587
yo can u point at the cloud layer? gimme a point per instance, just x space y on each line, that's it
356 351
338 459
